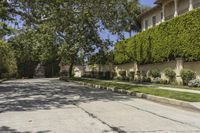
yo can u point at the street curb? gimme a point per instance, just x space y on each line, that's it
174 102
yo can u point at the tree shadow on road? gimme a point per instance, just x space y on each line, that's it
5 129
44 95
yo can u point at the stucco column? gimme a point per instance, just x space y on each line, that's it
190 5
175 8
117 71
163 12
136 69
179 67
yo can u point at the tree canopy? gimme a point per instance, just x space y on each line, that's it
65 30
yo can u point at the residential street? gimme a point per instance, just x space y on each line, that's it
53 106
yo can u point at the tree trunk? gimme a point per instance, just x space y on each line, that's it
52 70
130 33
71 69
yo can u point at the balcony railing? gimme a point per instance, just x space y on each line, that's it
169 17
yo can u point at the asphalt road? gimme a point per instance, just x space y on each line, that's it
53 106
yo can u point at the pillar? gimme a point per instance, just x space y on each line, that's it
136 69
179 67
175 8
163 12
190 5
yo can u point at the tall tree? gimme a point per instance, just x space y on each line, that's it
75 24
123 18
104 54
7 60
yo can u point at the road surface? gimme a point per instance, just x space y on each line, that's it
53 106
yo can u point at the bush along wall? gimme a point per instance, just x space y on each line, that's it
179 37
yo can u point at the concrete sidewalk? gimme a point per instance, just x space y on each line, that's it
179 89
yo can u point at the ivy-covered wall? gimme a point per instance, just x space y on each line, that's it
179 37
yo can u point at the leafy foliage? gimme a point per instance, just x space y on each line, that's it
66 31
187 75
33 47
194 83
123 17
7 61
155 73
175 38
5 16
169 73
103 56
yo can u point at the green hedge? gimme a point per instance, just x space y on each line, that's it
179 37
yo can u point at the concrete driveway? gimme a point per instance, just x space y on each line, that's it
53 106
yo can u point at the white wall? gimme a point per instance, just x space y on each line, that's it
156 13
183 6
177 66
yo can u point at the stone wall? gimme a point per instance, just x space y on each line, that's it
177 66
77 70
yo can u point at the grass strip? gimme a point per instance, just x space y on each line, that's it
184 96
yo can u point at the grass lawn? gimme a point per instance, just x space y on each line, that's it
164 85
184 96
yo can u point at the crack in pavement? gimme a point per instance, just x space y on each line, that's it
116 129
160 115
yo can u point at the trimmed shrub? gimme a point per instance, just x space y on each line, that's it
147 80
123 75
187 75
170 74
155 73
162 81
194 83
172 39
117 78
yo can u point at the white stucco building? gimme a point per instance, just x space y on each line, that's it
166 10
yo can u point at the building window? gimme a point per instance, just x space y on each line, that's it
154 20
146 24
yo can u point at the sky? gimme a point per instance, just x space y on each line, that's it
147 2
106 35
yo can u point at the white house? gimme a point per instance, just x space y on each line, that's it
166 10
